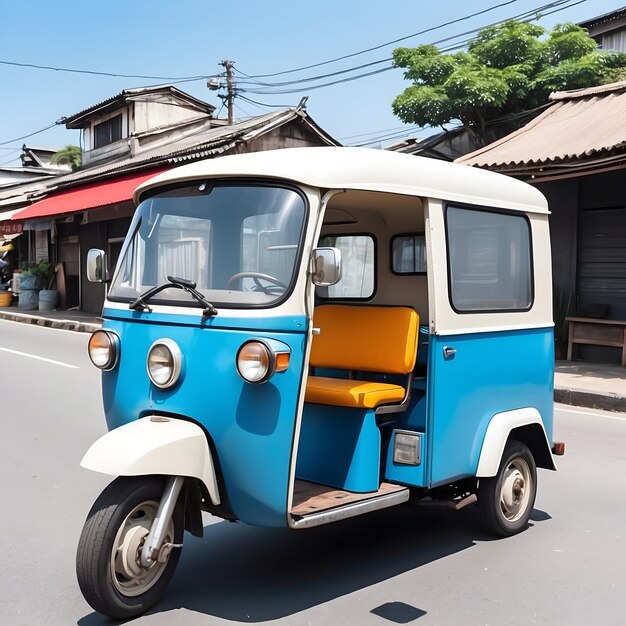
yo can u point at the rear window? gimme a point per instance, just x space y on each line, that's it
408 254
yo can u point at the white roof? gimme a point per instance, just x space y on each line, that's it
365 169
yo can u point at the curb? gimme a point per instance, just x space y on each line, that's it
590 400
73 325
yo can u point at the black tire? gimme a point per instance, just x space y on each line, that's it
507 499
120 517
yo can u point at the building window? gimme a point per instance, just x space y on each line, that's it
357 267
408 254
107 132
489 260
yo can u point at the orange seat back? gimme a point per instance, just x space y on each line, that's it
365 338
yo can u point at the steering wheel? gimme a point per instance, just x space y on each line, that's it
257 277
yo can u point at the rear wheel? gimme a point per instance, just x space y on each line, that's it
507 498
108 568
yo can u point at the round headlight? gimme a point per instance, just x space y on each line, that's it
255 362
164 363
104 349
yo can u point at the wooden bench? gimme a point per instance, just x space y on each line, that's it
597 332
365 339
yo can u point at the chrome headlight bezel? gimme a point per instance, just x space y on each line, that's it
265 354
274 357
111 344
175 366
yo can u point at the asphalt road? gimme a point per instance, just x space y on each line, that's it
404 565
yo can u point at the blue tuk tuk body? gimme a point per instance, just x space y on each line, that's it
299 336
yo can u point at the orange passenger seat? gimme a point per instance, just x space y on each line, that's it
380 340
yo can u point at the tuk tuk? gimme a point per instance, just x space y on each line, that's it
295 337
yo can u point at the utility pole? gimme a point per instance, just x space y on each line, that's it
230 89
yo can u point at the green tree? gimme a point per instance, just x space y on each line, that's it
70 155
507 72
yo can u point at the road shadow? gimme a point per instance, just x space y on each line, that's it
249 575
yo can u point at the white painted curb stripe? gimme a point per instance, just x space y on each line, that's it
620 417
39 358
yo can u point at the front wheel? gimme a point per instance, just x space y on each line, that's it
108 568
507 498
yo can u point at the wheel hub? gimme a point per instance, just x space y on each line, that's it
513 494
127 559
129 577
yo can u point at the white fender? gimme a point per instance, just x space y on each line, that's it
155 445
500 426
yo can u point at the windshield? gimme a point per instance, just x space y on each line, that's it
240 244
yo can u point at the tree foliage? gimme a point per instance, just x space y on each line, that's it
508 68
70 155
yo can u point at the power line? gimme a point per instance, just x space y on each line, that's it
14 158
388 43
4 143
527 16
334 82
377 132
311 78
389 136
97 73
263 104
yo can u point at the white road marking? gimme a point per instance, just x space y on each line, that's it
595 412
39 358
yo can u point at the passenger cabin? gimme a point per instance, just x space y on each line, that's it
441 319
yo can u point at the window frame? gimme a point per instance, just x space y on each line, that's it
375 282
391 268
108 121
497 211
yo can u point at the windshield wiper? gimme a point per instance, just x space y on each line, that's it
140 303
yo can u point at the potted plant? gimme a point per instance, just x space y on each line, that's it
48 294
6 296
37 278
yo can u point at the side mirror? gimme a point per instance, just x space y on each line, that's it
97 266
326 266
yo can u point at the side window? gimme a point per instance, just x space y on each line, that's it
357 267
408 254
489 260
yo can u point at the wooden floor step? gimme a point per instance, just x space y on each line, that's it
311 498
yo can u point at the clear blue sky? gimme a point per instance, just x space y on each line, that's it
181 38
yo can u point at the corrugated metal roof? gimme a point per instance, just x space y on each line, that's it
207 142
580 126
606 17
75 120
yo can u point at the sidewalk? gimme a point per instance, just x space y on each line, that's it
67 320
592 385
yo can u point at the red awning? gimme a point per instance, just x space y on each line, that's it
86 197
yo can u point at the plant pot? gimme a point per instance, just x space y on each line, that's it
47 299
6 297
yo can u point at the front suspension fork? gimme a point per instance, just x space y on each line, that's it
152 546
